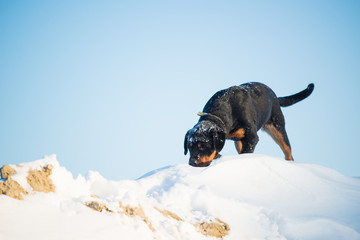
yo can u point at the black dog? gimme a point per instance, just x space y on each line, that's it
237 113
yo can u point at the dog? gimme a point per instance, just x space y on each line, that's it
238 113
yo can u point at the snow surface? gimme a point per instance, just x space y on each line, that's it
260 197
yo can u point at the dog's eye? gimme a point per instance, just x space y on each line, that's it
201 146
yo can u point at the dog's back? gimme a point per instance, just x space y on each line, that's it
237 104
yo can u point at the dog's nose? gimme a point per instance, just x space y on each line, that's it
193 162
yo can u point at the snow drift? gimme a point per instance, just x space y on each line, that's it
239 197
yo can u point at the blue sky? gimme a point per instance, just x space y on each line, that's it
113 86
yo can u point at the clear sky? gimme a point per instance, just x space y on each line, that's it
113 86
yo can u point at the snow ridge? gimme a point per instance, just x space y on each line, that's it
238 197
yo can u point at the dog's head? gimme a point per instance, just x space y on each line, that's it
203 141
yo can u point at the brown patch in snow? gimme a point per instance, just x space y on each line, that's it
168 213
136 211
216 229
94 196
12 189
7 171
40 180
97 206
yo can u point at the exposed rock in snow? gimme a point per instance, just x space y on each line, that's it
169 214
136 211
216 229
40 180
7 171
12 189
97 206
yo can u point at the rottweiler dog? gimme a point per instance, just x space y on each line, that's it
237 113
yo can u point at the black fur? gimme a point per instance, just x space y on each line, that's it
290 100
237 113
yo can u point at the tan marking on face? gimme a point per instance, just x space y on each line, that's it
279 139
238 134
207 159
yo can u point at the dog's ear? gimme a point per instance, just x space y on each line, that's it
185 142
218 139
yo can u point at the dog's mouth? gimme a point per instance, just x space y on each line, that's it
201 164
202 161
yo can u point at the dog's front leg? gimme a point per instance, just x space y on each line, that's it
239 146
249 142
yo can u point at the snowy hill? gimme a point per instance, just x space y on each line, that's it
238 197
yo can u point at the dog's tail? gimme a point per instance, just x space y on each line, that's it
290 100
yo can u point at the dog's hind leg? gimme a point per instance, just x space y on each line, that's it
275 127
279 135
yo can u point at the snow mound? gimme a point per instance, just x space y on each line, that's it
237 197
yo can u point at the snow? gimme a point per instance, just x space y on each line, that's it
259 197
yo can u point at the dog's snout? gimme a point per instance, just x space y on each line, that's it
194 161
